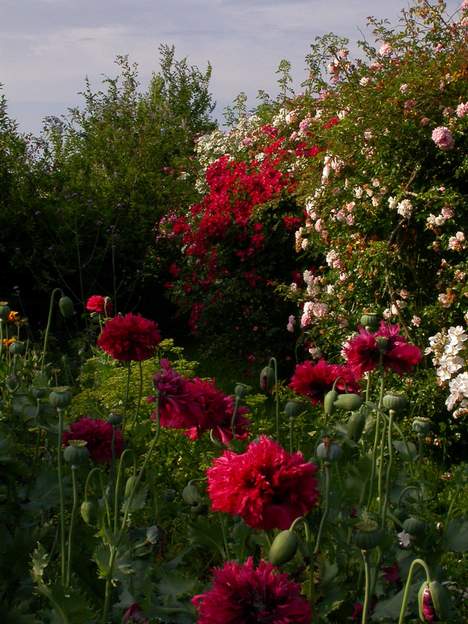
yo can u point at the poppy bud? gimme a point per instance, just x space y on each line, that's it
66 307
241 390
434 603
267 378
414 526
130 485
115 419
283 548
356 425
90 511
348 402
191 495
329 402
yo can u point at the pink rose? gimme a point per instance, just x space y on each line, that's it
443 138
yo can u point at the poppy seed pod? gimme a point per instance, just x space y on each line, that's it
267 378
283 548
395 402
115 419
421 425
329 451
66 307
17 348
349 402
76 452
293 409
60 397
414 526
370 320
368 535
4 310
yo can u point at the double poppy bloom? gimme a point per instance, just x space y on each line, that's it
266 486
244 594
385 347
98 435
197 405
129 338
315 380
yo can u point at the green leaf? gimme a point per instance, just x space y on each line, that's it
390 609
456 535
174 585
407 451
44 494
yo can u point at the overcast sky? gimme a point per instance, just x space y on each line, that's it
48 47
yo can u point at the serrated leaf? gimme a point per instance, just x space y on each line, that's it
40 561
456 535
44 494
139 499
174 585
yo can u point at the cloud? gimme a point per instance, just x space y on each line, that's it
47 47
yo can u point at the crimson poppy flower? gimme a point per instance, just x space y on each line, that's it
315 380
98 435
244 594
129 338
267 486
367 350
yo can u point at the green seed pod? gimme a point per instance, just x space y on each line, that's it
17 348
382 343
38 393
421 425
66 307
414 526
4 310
129 485
349 402
368 535
60 397
115 419
191 495
90 511
293 409
395 402
434 602
329 402
283 548
370 320
356 425
76 452
267 378
329 451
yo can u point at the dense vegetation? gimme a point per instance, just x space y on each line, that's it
311 467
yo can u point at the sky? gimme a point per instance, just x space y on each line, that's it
49 47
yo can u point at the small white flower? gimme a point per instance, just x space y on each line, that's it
405 208
404 539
